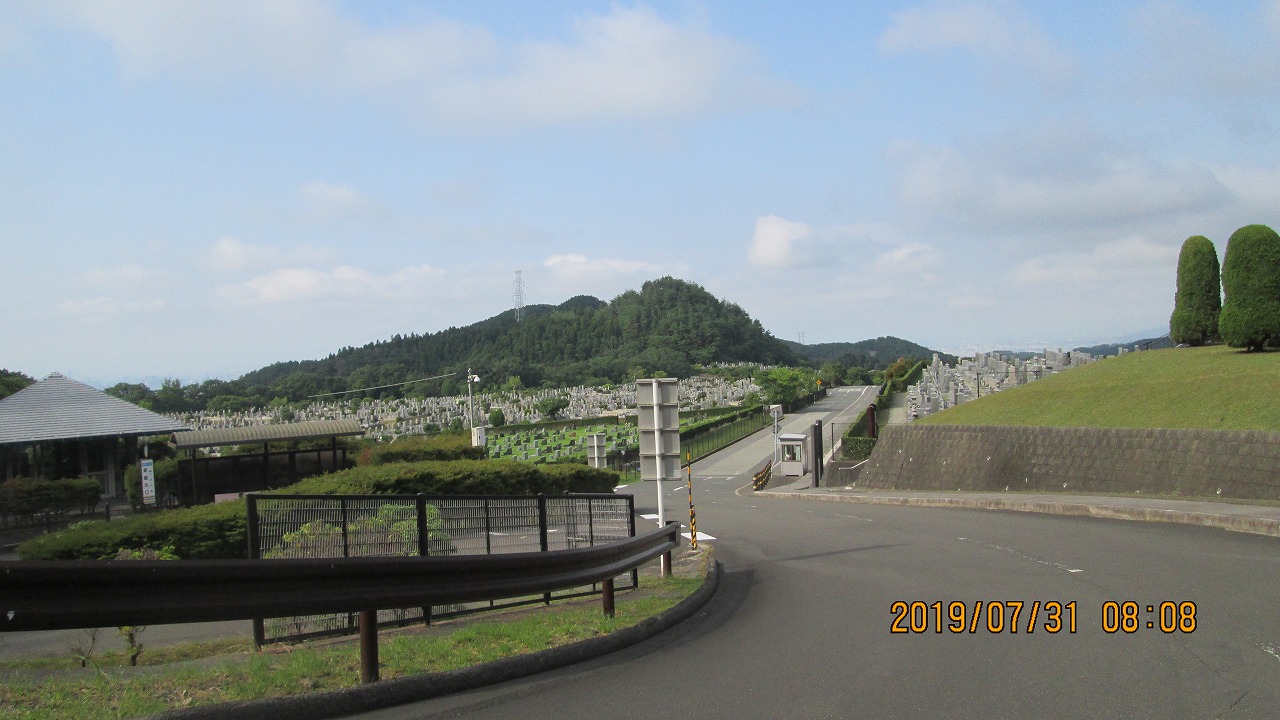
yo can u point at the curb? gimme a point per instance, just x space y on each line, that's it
1234 523
400 691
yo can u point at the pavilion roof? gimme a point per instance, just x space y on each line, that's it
59 408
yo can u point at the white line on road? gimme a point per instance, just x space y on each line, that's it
1024 556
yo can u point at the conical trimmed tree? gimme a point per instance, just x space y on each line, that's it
1250 315
1199 298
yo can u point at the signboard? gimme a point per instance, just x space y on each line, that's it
148 468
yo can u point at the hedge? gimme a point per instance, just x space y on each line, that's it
25 496
418 448
857 448
218 531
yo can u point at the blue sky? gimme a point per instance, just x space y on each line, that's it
196 190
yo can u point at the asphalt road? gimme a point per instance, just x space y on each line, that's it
801 625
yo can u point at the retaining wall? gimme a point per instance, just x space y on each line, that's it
1201 463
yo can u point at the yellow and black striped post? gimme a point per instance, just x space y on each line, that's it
693 514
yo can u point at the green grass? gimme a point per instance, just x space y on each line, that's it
111 692
1215 388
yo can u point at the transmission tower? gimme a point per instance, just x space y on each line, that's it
517 296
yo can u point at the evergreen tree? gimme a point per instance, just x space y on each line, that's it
1250 315
1199 298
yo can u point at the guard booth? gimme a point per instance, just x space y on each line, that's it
792 447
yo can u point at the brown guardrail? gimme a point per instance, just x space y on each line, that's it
86 594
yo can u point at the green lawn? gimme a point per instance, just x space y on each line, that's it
1215 388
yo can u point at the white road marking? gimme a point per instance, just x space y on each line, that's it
855 517
649 517
1271 651
1024 556
701 536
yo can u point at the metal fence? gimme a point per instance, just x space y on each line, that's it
323 526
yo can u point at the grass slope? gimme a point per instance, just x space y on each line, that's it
1215 388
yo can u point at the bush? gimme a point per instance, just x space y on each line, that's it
218 531
418 448
1250 315
26 496
1198 302
857 448
205 532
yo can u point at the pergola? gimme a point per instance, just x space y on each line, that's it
241 473
65 416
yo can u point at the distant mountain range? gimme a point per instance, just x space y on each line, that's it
874 354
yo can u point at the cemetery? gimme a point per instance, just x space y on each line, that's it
385 420
942 386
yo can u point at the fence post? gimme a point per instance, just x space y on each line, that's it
346 545
542 535
424 544
368 646
607 592
488 529
255 553
631 519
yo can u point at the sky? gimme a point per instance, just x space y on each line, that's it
196 190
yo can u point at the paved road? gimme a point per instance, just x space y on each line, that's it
801 625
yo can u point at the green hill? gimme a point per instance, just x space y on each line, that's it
877 354
1215 388
666 328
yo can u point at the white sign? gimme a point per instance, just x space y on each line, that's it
148 468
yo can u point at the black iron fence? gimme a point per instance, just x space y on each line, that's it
332 526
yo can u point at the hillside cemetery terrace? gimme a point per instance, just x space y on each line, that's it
386 419
942 386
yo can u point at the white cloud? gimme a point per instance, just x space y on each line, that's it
1074 183
231 255
294 285
911 257
998 32
577 267
326 202
1183 54
776 242
1130 260
627 64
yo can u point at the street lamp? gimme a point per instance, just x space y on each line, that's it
471 411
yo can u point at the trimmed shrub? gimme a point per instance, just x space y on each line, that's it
418 448
204 532
1199 298
218 531
27 496
857 448
1250 315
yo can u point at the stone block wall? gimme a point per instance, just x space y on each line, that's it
1237 464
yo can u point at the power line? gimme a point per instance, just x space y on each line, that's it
383 387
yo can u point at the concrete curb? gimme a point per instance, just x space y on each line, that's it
400 691
1234 523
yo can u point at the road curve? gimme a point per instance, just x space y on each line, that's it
800 627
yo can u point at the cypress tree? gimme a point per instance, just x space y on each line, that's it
1250 315
1199 298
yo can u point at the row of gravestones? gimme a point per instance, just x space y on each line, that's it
413 415
942 386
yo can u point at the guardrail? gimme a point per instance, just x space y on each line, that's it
87 594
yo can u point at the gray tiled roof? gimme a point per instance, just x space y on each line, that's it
59 408
268 433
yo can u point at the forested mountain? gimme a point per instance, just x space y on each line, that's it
876 354
663 330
